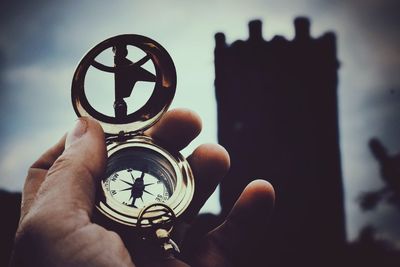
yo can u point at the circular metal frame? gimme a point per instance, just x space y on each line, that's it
156 106
178 201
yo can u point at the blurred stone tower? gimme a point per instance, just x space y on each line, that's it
277 116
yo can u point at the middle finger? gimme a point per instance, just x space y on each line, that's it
176 129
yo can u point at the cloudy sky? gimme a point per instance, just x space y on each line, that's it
41 43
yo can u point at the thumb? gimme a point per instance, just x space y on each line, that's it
69 186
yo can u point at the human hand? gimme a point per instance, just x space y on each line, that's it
58 198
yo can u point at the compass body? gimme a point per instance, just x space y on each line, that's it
140 173
144 185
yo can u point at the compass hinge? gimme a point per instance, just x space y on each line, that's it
120 137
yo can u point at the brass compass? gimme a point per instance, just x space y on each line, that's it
145 187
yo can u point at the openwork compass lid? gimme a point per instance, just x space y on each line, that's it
126 75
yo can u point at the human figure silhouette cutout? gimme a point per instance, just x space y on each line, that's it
126 74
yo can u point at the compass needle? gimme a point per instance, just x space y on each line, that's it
129 188
128 183
144 190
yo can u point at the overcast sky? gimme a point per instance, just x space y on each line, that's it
41 43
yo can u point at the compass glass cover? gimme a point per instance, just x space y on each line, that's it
138 177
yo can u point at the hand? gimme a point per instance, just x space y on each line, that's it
55 228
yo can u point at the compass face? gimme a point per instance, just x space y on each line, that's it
138 177
136 188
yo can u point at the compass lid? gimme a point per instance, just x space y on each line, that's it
126 74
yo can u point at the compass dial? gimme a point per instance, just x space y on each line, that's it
136 188
138 177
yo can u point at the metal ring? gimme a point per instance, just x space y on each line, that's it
156 106
163 217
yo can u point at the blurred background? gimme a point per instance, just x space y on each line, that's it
42 42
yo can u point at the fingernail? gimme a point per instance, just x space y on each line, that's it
77 132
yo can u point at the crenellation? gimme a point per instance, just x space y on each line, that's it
255 31
220 40
302 29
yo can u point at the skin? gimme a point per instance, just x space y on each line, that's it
55 227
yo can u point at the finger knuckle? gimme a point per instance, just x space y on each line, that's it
60 164
70 165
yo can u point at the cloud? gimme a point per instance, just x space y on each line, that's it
27 30
20 153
